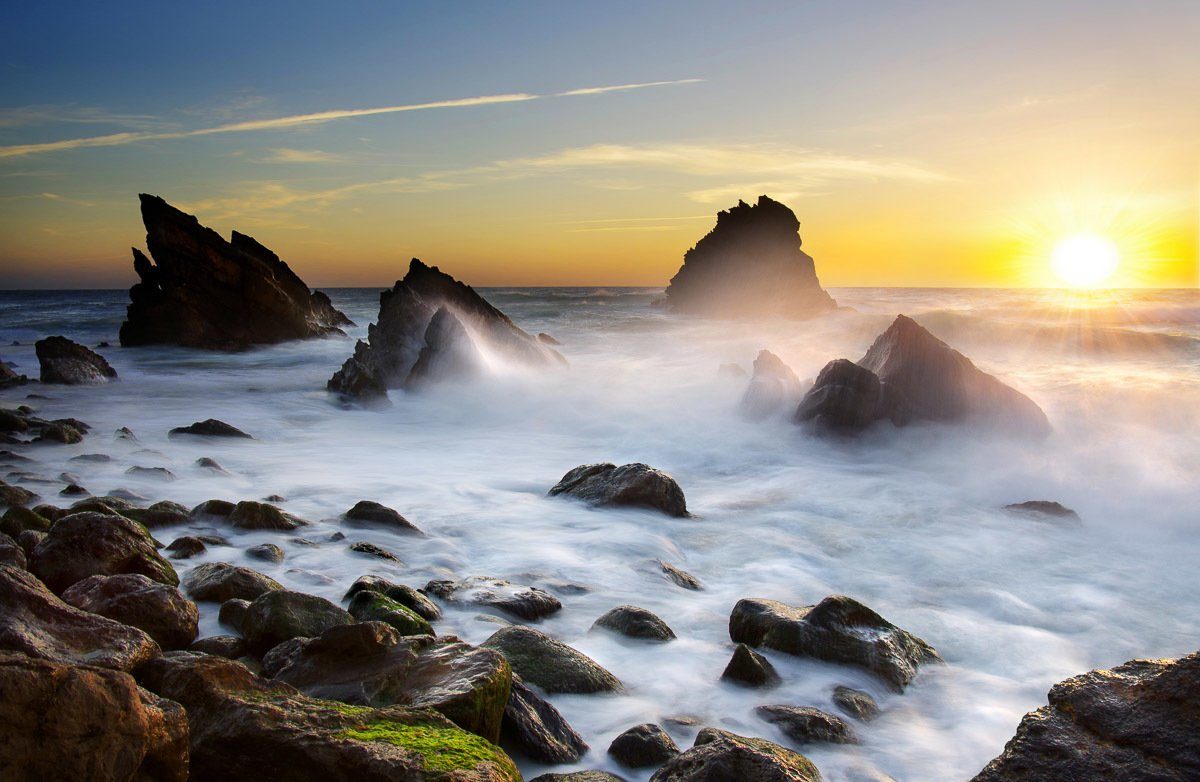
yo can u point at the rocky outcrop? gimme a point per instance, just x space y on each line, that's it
97 544
838 629
70 363
635 622
633 485
533 727
910 375
773 388
749 264
161 611
720 756
201 291
524 602
244 727
36 623
432 327
1134 722
76 722
552 665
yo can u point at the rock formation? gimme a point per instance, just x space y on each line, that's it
433 327
750 264
69 363
201 291
910 375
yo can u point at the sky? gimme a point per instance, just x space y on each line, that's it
567 143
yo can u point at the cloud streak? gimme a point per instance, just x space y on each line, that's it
299 120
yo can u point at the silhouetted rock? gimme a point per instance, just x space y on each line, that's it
533 727
209 428
720 756
838 629
1134 722
750 669
1043 509
430 314
552 665
635 485
804 724
749 264
161 611
204 292
70 363
773 388
635 622
524 602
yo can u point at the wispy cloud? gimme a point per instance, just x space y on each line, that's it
288 155
75 115
298 120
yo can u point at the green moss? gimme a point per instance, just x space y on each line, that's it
374 607
441 747
17 519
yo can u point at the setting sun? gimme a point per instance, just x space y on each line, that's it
1085 260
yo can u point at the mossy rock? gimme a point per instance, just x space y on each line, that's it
443 746
17 519
374 607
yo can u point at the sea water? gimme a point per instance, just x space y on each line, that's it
907 521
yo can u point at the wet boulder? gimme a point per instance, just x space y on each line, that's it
229 646
805 725
634 622
524 602
552 665
368 513
279 615
534 728
36 623
773 388
210 427
410 598
858 704
221 581
643 746
632 485
97 544
750 669
160 514
11 553
677 576
232 612
838 629
79 722
69 363
266 552
17 519
259 515
368 606
847 398
1134 722
721 756
132 599
15 495
185 547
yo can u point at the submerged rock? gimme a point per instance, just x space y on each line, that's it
97 544
552 665
406 347
773 388
642 746
161 611
1134 722
533 727
678 577
634 622
720 756
371 550
1043 509
210 427
804 724
78 722
70 363
523 602
266 552
838 629
634 485
201 291
749 264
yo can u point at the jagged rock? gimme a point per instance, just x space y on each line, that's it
838 629
533 727
804 725
635 622
210 427
77 722
773 388
370 664
749 264
244 727
367 606
367 513
132 599
70 363
371 550
636 485
449 353
229 646
720 756
858 704
1043 509
1134 722
204 292
750 669
259 515
280 615
403 594
221 581
524 602
267 552
36 623
552 665
405 329
95 544
642 746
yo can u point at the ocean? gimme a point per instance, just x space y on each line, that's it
908 521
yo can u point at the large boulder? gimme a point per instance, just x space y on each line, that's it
201 291
132 599
634 485
720 756
245 727
221 581
77 722
370 664
524 602
552 665
534 728
848 398
405 330
773 388
97 544
70 363
280 615
838 629
1137 721
749 264
36 623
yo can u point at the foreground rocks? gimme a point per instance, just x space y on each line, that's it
97 544
432 327
201 291
720 756
1137 721
69 363
749 264
79 722
552 665
910 375
838 629
630 485
159 610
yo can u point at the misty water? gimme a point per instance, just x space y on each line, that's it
907 521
